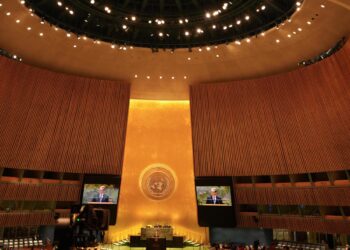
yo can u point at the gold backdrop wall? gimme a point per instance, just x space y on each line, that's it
158 134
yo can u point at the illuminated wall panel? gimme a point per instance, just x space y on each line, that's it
158 144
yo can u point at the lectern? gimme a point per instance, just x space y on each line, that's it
156 244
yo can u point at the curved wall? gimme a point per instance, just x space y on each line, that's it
292 123
62 123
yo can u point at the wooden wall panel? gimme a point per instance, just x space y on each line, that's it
39 192
295 122
62 123
35 218
296 223
323 196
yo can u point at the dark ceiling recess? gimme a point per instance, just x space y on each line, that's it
165 24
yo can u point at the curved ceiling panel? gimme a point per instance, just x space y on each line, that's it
167 74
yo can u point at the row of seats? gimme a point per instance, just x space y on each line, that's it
298 246
20 243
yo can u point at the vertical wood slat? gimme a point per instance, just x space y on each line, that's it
63 123
296 223
23 218
40 192
295 122
322 196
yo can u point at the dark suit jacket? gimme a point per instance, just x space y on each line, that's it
96 198
211 201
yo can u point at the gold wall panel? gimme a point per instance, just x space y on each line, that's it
158 134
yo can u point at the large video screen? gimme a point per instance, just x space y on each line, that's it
100 193
214 195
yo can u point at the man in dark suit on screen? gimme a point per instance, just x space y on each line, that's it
214 198
101 196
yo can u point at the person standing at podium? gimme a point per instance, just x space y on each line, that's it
214 198
101 196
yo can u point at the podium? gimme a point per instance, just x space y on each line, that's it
176 242
156 244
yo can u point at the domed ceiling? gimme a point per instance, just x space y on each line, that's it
157 73
165 24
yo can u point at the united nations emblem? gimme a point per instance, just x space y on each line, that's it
157 182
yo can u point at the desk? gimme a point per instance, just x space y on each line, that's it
157 232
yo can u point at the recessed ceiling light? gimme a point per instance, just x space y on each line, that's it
135 76
41 34
148 77
185 77
323 6
277 41
18 21
173 77
218 55
8 14
59 3
29 28
189 58
74 46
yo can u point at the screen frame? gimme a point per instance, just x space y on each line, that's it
216 216
108 180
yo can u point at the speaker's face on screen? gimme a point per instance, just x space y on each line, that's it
101 189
